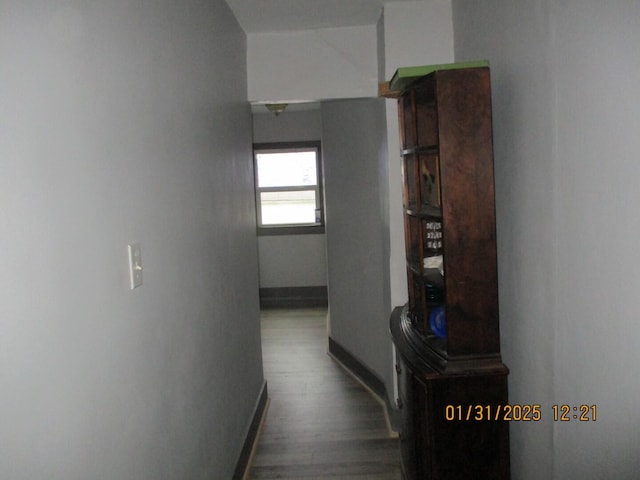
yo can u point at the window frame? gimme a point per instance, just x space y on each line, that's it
289 229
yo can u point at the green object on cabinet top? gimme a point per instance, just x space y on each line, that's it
405 75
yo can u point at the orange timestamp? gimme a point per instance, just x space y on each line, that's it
518 413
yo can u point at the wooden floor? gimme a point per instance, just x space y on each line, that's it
321 423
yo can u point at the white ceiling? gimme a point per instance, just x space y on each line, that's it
259 16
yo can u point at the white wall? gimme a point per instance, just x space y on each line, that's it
291 260
353 154
419 31
295 124
415 33
313 65
122 122
566 110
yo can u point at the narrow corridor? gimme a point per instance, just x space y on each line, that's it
321 423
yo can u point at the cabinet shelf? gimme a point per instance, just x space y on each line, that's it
431 149
447 335
430 275
425 211
427 353
448 201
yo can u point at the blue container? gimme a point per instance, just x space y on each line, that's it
438 322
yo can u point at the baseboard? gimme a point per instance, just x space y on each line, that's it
293 297
369 380
253 434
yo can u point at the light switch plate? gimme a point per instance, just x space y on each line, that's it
135 265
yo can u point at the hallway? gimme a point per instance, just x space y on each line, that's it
321 423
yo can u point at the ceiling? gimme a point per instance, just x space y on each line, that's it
259 16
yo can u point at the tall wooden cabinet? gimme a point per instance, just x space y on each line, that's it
451 379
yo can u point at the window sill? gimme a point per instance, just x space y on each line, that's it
292 230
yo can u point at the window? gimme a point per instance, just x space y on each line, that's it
288 188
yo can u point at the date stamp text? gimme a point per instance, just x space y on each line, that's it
520 413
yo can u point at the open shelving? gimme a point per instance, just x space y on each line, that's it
447 335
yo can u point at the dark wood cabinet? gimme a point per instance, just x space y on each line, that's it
451 380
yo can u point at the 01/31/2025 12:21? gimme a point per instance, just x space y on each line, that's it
519 413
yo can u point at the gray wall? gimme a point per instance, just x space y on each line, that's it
296 124
355 189
290 260
121 122
566 116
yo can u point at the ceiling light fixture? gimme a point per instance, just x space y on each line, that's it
276 108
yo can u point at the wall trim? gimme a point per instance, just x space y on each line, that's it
368 379
300 230
243 466
286 297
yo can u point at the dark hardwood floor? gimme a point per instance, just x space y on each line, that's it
321 423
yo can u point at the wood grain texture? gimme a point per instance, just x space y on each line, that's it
321 423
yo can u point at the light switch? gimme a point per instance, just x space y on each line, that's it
135 265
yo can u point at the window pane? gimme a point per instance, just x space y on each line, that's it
286 169
282 208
